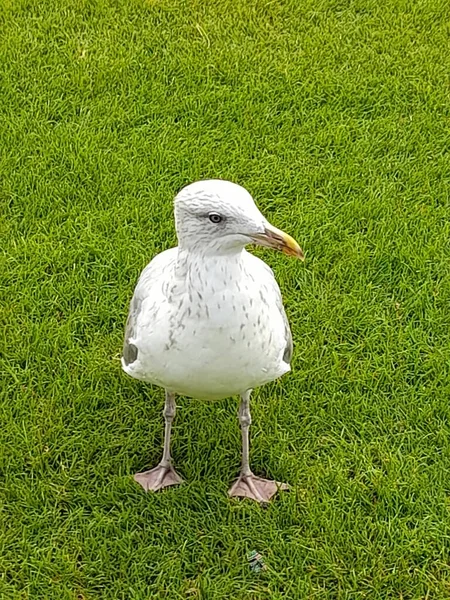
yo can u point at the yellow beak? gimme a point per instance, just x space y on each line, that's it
278 240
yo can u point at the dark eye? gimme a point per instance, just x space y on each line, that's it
215 218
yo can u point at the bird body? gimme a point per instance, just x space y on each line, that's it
208 326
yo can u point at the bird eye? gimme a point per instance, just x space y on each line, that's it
215 217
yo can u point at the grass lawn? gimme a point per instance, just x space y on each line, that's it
335 115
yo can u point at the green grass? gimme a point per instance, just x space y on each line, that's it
335 115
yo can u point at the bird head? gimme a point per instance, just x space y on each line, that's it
217 216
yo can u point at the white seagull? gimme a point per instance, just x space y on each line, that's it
207 320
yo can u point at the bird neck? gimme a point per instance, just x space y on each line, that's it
204 270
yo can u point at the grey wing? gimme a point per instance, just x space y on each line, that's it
149 277
287 355
130 351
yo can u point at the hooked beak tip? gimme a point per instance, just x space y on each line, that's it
279 240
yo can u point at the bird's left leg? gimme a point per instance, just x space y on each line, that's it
248 485
164 474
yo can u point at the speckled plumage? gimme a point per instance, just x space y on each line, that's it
205 322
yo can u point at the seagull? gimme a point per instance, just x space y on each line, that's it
207 319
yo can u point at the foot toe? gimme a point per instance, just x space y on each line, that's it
158 478
256 488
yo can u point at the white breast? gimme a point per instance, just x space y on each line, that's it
213 332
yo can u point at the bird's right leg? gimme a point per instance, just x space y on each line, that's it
164 474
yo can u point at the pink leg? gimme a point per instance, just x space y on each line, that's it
164 474
247 484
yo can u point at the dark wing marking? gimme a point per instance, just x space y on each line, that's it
130 353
